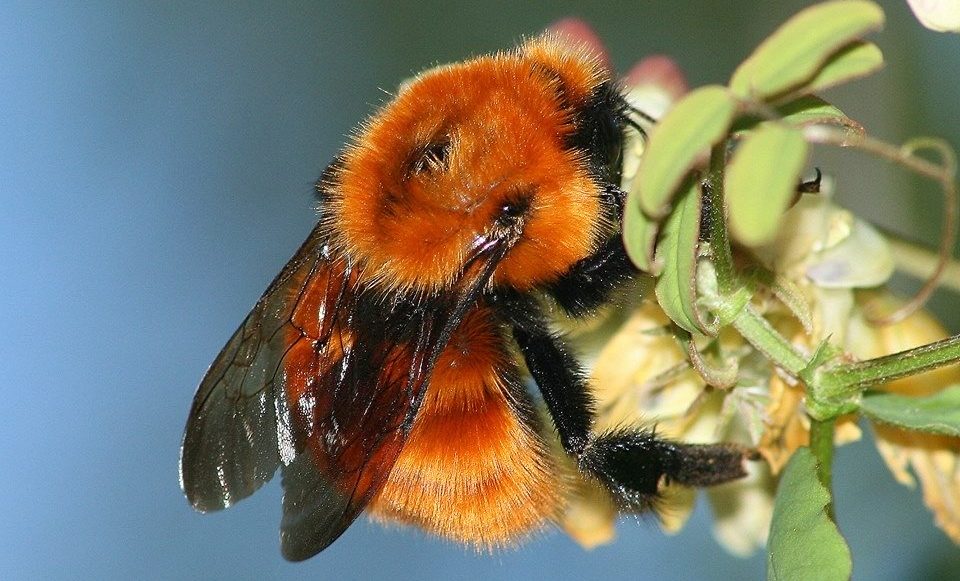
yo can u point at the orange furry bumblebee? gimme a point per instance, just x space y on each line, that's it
381 370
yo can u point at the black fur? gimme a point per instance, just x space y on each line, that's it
592 281
632 461
631 464
599 130
554 369
598 123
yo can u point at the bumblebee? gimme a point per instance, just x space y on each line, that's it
383 368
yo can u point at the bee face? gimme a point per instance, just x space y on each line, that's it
461 151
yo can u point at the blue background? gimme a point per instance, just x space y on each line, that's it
156 162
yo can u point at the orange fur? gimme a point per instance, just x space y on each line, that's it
472 470
503 117
467 178
475 467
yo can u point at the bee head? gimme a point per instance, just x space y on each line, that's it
468 153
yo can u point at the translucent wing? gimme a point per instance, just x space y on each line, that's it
240 426
324 380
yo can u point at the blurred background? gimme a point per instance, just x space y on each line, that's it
156 162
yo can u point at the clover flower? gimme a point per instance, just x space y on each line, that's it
821 280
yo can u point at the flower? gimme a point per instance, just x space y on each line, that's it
934 460
824 280
821 259
939 15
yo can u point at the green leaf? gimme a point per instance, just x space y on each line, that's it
796 51
804 543
812 110
677 252
801 112
856 60
762 179
678 143
938 413
639 236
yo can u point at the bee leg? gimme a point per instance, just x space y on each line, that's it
613 199
632 461
590 283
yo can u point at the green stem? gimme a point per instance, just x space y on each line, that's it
821 445
759 333
719 243
833 390
850 379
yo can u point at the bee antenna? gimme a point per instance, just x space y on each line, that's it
641 114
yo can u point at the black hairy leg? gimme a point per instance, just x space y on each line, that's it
590 282
631 461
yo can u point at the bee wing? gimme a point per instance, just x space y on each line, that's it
239 426
317 383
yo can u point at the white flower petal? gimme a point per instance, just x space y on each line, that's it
862 259
939 15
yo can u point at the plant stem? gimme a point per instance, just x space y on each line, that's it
834 390
717 220
758 332
850 379
821 445
751 324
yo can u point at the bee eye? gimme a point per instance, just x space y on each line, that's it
512 211
433 157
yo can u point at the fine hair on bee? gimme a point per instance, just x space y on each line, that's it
382 370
